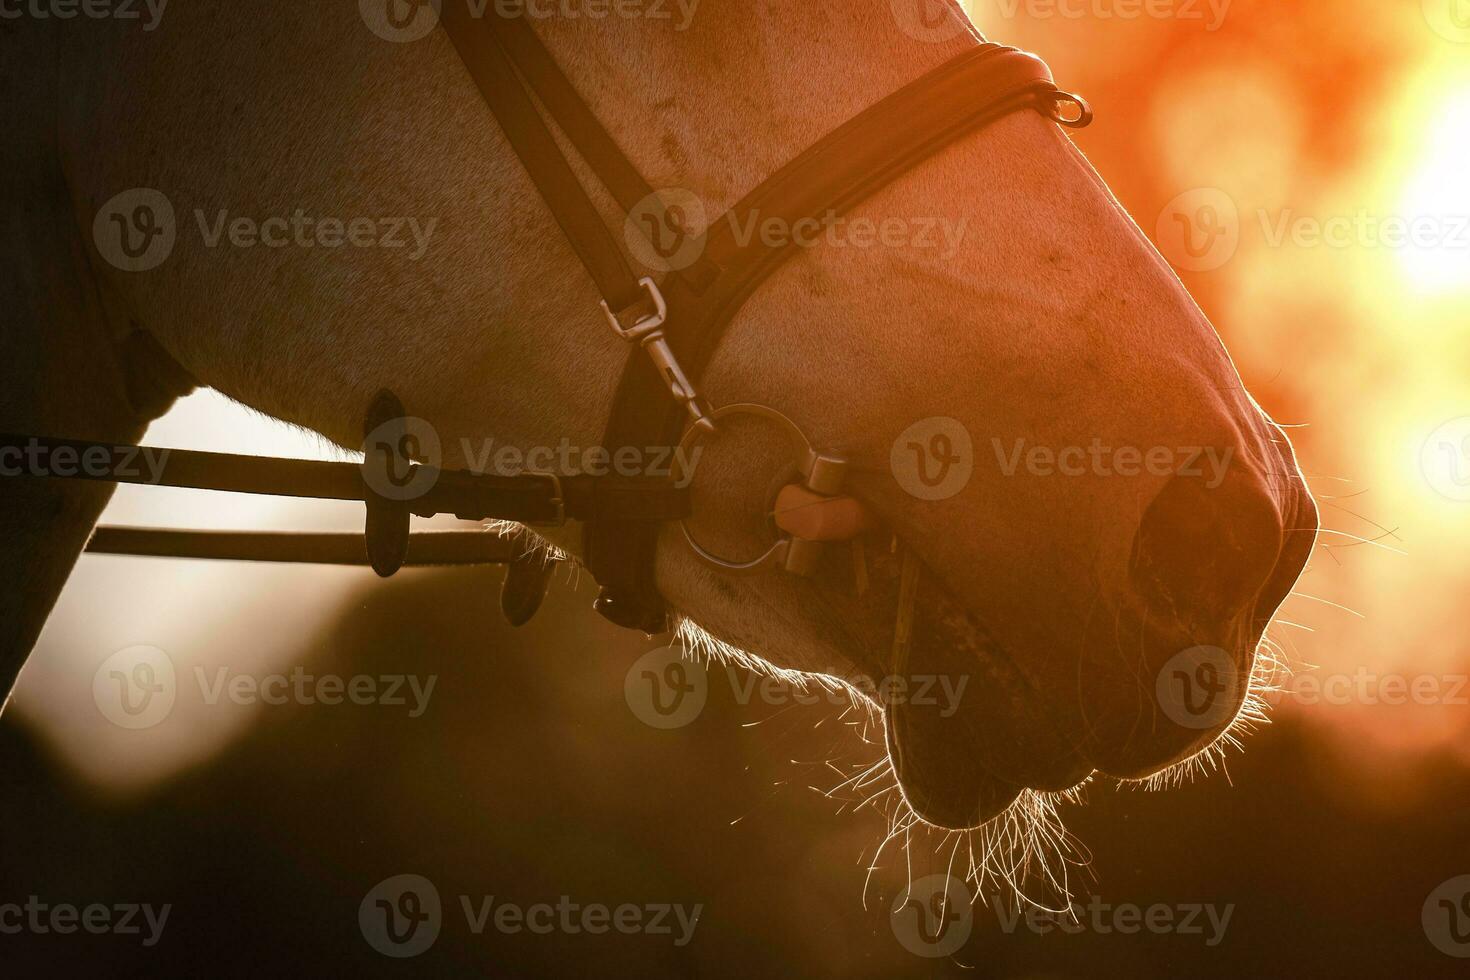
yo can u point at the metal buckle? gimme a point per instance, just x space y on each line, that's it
821 473
646 325
559 499
649 334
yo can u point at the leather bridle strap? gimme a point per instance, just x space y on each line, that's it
509 65
486 55
529 498
844 168
562 101
426 548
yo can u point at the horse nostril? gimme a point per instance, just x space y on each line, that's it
1204 548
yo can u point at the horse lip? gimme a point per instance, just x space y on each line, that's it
959 765
954 811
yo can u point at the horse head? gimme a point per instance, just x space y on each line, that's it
1082 523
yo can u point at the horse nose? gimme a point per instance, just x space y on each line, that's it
1203 555
1205 547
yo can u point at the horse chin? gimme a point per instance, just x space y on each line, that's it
966 731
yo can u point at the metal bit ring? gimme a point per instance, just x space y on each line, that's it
821 473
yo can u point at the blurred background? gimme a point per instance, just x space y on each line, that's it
1305 165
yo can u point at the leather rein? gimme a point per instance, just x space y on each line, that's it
676 323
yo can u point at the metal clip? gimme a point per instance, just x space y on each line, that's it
648 333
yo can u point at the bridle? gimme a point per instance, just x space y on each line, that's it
679 322
676 323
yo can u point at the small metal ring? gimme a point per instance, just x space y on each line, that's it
806 459
1084 116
